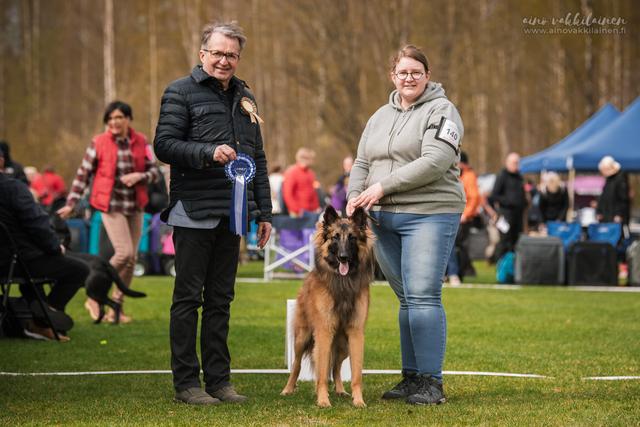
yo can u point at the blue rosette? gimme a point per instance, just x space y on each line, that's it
240 172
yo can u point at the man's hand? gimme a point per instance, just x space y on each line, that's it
264 232
367 198
132 178
224 154
65 212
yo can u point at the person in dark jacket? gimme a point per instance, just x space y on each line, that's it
614 204
12 169
42 254
554 200
509 199
206 120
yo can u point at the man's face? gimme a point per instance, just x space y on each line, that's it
512 163
220 58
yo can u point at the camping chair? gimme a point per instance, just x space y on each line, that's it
279 254
568 232
608 232
35 284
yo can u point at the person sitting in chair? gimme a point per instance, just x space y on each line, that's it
43 256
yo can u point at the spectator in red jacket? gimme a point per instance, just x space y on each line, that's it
298 189
53 185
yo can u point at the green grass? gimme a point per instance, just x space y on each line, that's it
551 331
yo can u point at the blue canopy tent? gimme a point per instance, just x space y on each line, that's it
554 157
621 140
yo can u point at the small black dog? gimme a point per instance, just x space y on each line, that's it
101 275
98 283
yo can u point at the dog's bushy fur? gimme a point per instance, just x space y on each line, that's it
333 304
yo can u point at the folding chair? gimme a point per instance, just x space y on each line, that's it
609 232
568 232
26 280
277 255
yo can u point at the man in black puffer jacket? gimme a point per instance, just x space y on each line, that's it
206 119
510 200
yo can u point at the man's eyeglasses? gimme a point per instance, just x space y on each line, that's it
415 75
231 56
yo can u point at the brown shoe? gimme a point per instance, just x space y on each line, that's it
33 330
228 394
196 396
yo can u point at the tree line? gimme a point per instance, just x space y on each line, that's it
319 69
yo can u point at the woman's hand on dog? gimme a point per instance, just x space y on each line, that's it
366 199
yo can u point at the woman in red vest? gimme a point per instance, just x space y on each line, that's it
121 170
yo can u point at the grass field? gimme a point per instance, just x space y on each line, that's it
564 335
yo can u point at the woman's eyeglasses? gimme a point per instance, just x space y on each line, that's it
415 75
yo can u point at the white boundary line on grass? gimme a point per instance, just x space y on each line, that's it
259 371
613 378
630 289
286 371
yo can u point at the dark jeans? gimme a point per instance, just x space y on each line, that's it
68 273
509 239
206 266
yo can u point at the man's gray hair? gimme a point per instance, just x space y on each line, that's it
229 29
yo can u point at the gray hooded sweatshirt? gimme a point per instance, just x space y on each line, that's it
399 149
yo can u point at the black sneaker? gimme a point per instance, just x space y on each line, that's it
429 392
404 388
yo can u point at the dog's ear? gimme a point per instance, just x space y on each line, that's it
330 215
359 217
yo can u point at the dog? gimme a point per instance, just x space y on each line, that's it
101 273
97 285
333 305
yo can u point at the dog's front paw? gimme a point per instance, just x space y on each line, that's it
287 391
359 403
324 403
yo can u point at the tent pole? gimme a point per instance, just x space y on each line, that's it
570 190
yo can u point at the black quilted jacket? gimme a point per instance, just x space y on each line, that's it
194 119
27 223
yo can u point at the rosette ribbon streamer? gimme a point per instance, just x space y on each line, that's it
251 109
241 172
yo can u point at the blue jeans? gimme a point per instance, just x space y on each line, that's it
453 269
413 251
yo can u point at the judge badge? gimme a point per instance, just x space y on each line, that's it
240 171
251 109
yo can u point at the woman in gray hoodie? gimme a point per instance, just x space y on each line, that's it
406 173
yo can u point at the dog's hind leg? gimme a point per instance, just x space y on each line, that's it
302 343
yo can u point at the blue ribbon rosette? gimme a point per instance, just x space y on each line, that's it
240 171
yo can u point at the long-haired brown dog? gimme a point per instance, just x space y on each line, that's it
333 304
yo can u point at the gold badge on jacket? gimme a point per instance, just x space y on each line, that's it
251 109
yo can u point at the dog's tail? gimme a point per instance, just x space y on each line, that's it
120 284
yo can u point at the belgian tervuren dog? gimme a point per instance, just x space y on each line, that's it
333 304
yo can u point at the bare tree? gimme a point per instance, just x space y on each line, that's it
109 53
